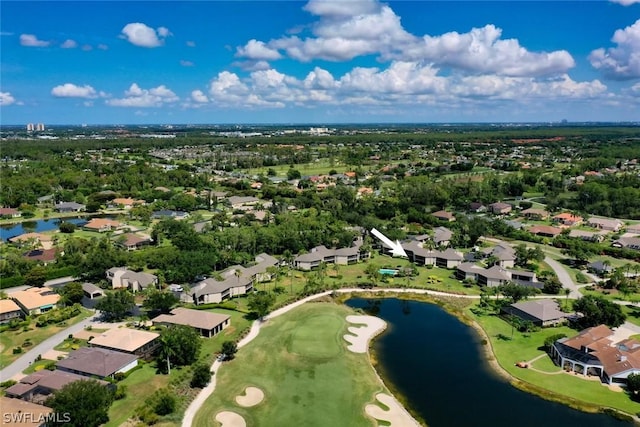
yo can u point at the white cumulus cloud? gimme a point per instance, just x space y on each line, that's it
141 35
199 96
69 44
31 40
258 50
621 62
625 2
138 97
6 99
70 90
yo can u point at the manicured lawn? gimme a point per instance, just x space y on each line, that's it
524 347
37 366
12 339
308 376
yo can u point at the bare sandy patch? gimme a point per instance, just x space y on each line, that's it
397 416
54 354
230 419
252 396
360 336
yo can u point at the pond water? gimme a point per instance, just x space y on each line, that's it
12 230
436 362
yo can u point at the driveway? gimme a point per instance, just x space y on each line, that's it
564 277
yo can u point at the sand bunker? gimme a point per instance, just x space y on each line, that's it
397 416
359 341
230 419
252 396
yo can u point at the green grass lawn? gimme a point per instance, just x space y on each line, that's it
524 347
11 339
37 366
301 363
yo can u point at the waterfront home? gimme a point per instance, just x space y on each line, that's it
102 225
40 240
206 323
9 213
541 312
417 254
342 256
126 340
496 275
63 207
97 362
34 301
594 352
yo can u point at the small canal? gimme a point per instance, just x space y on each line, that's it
436 362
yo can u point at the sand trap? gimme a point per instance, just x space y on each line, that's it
230 419
252 396
359 341
396 415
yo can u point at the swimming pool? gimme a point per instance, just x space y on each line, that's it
388 271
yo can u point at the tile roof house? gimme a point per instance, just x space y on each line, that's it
125 203
627 243
594 352
132 241
38 386
206 323
608 224
10 213
43 256
234 280
633 228
545 230
121 277
500 208
567 218
444 216
42 240
69 207
12 409
535 214
36 300
133 341
102 224
477 207
9 310
98 362
542 312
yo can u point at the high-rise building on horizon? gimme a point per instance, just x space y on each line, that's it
30 127
40 127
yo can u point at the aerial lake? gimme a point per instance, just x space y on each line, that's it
436 362
7 231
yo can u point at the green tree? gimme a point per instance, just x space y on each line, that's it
201 376
633 384
72 293
165 402
597 310
81 404
36 276
116 305
552 285
159 301
516 292
293 174
179 345
260 303
229 349
67 227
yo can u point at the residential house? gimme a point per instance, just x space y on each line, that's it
586 235
69 207
206 323
168 214
42 256
627 243
133 341
633 228
132 241
449 258
102 225
45 201
121 277
600 268
43 241
444 216
9 310
567 218
233 281
514 224
608 224
16 409
10 213
242 202
37 387
34 301
125 203
92 291
500 208
97 362
342 256
504 254
442 236
594 352
496 275
545 230
535 214
477 207
541 312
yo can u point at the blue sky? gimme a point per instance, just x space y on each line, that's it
356 61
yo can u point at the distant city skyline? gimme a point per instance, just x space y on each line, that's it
361 61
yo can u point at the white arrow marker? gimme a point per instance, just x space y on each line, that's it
396 248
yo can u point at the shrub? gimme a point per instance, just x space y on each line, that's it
201 376
17 350
119 376
165 402
121 392
551 339
581 278
7 383
50 366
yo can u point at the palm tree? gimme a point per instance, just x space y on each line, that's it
166 351
238 273
273 273
567 291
